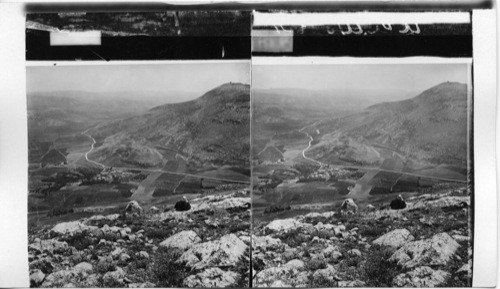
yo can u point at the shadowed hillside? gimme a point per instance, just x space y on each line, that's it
210 130
430 127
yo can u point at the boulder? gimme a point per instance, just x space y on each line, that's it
398 203
370 208
142 255
50 246
182 240
212 277
295 263
133 208
285 274
141 285
329 273
266 243
466 269
83 267
154 210
348 207
114 277
182 205
284 225
354 253
279 284
421 277
355 283
36 278
434 251
69 227
223 252
395 238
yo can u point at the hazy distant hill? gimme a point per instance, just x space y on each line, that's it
431 126
210 130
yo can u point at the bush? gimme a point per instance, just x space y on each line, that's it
167 272
378 270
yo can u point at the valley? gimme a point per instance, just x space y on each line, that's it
369 155
154 155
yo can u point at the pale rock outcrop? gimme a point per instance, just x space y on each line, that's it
212 278
329 273
434 251
296 264
284 225
49 246
223 252
83 267
70 227
266 243
182 240
36 278
114 277
395 238
285 274
421 277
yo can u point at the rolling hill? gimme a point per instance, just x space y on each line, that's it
431 127
212 130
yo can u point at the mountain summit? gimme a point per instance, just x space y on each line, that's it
213 129
431 126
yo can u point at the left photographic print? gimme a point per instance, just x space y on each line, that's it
139 172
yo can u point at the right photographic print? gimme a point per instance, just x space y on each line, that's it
362 172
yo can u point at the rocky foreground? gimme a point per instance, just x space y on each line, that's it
425 244
205 246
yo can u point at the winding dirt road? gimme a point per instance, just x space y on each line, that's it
91 149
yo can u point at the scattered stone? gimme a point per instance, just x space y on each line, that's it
296 263
182 240
461 238
124 257
354 253
212 277
69 227
348 207
328 273
224 252
154 210
279 284
355 283
287 275
83 267
266 243
466 269
421 277
141 285
114 277
36 278
398 203
434 251
284 225
142 255
395 238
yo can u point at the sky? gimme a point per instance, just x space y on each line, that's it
196 78
407 77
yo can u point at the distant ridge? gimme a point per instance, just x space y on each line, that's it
213 129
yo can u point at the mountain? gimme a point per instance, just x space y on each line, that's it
431 127
213 129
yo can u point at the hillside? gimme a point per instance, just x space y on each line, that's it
210 130
430 127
